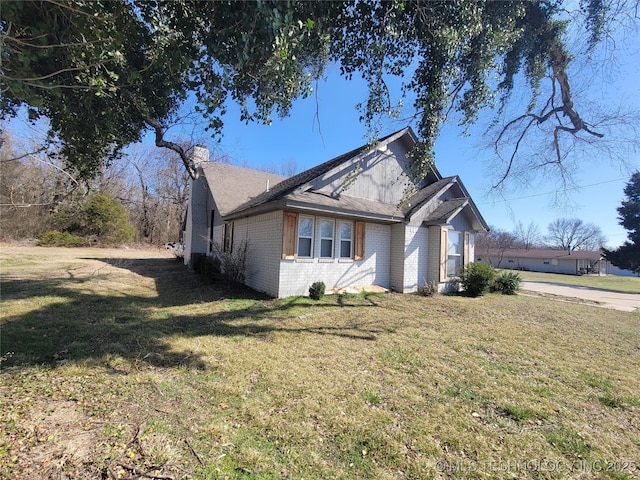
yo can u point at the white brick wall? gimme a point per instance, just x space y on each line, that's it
386 247
397 257
263 234
416 258
297 275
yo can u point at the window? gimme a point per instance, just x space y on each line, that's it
298 240
305 237
227 243
454 253
346 239
326 239
211 231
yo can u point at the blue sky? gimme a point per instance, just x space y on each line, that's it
327 124
309 139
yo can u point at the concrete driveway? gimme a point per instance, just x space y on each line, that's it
627 302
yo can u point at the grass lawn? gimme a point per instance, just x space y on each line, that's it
123 364
614 283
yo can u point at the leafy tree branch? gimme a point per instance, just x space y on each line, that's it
104 73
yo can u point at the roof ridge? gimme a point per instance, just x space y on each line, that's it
238 167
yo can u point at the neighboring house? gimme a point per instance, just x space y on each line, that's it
357 220
613 270
574 262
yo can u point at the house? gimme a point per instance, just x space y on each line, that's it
357 220
571 262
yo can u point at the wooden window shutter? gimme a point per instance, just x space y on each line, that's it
358 250
289 235
466 251
444 240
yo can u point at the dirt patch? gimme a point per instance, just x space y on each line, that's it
56 440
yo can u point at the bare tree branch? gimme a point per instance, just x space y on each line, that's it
161 142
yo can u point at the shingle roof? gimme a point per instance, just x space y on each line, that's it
240 185
288 185
346 205
424 195
443 212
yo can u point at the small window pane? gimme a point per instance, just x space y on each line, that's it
306 227
454 253
326 248
455 245
345 248
326 229
453 266
345 231
304 247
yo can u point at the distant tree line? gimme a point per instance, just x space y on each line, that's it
575 234
562 234
39 195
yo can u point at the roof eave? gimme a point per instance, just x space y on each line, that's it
293 205
374 217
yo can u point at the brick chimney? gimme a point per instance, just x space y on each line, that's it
199 155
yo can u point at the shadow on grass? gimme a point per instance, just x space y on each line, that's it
69 321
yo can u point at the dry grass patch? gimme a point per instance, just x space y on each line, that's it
133 367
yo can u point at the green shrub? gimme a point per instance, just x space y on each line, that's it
507 283
61 239
108 220
102 218
316 290
477 278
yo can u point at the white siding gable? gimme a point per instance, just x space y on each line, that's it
379 175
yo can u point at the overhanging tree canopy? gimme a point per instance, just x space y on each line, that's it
105 72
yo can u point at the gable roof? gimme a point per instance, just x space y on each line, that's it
423 196
239 185
292 183
442 212
446 211
243 192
